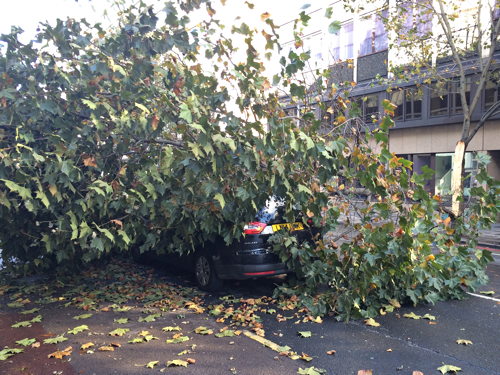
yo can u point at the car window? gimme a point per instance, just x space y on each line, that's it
272 211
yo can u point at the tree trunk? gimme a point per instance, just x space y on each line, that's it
457 183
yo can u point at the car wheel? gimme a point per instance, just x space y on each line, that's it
205 274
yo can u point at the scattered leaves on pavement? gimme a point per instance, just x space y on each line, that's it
177 362
9 352
152 364
412 315
177 339
150 318
32 311
311 371
83 316
26 342
61 353
448 368
203 331
429 317
170 329
106 348
87 345
304 333
464 342
371 322
226 333
78 329
55 340
488 292
119 332
121 321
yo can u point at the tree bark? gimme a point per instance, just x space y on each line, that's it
457 183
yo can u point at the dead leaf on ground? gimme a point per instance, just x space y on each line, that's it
464 342
152 364
448 368
191 361
365 372
331 352
417 373
61 353
372 322
106 348
86 345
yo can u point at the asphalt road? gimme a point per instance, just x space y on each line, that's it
400 345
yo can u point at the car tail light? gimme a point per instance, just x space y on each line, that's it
310 221
254 227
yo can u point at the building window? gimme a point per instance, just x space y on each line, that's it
397 98
343 43
456 99
492 91
446 99
413 103
408 103
439 99
444 169
374 35
418 18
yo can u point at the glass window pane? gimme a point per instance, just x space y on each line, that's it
366 31
397 99
371 107
439 100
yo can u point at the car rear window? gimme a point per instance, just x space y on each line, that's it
273 211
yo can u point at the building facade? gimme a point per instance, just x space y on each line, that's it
429 114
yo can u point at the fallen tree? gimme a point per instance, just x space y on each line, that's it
118 139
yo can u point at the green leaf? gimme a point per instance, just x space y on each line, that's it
142 108
429 317
83 316
78 329
119 332
329 12
55 340
149 318
334 27
203 331
32 311
121 321
137 340
304 333
177 362
488 292
36 319
177 340
310 371
26 342
226 333
220 198
89 104
448 368
185 113
26 323
9 352
412 315
152 364
371 322
171 329
22 191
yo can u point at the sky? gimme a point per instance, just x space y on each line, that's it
28 13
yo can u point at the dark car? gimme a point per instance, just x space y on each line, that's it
252 255
249 257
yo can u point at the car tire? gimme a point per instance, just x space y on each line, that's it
205 273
